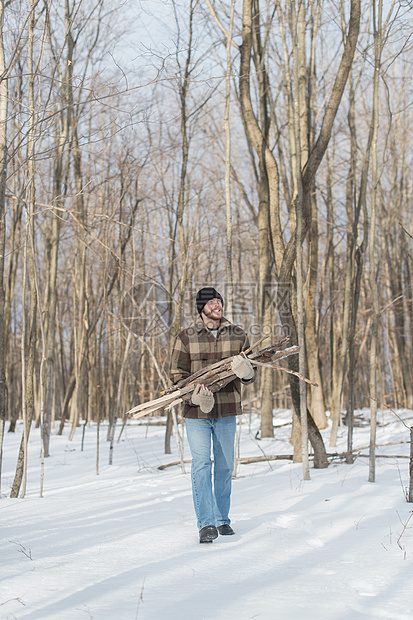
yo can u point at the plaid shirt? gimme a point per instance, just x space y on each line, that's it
194 348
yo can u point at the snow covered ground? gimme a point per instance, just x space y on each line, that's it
123 545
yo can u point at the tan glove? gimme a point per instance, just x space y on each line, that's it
203 398
242 367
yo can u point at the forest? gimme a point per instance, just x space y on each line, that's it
150 149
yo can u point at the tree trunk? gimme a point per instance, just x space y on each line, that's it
119 394
82 318
378 44
177 315
28 378
316 394
229 273
300 154
3 170
267 186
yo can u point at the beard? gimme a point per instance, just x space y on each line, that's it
213 315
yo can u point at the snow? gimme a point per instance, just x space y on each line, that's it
123 545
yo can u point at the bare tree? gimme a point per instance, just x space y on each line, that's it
229 239
379 29
269 229
64 119
28 351
3 170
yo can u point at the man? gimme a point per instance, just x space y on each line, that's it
211 417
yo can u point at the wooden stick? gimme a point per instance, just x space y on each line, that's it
174 463
279 457
254 346
159 403
291 372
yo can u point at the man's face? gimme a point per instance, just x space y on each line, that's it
213 309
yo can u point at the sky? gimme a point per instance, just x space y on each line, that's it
123 544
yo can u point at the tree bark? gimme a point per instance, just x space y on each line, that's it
3 171
229 302
53 238
267 185
378 45
315 157
28 370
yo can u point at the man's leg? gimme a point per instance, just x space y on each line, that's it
223 448
198 432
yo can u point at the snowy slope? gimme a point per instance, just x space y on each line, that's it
123 545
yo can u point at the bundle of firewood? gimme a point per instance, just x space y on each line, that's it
217 376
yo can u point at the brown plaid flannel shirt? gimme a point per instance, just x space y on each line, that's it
194 348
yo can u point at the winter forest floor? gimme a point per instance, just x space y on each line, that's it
123 545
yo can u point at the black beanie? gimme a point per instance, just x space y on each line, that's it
206 294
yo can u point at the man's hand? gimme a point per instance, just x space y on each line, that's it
203 398
242 367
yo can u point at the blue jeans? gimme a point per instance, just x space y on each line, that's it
211 501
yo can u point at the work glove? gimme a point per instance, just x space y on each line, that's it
242 367
203 398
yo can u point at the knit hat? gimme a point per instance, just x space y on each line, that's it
204 295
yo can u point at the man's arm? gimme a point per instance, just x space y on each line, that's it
201 397
180 367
